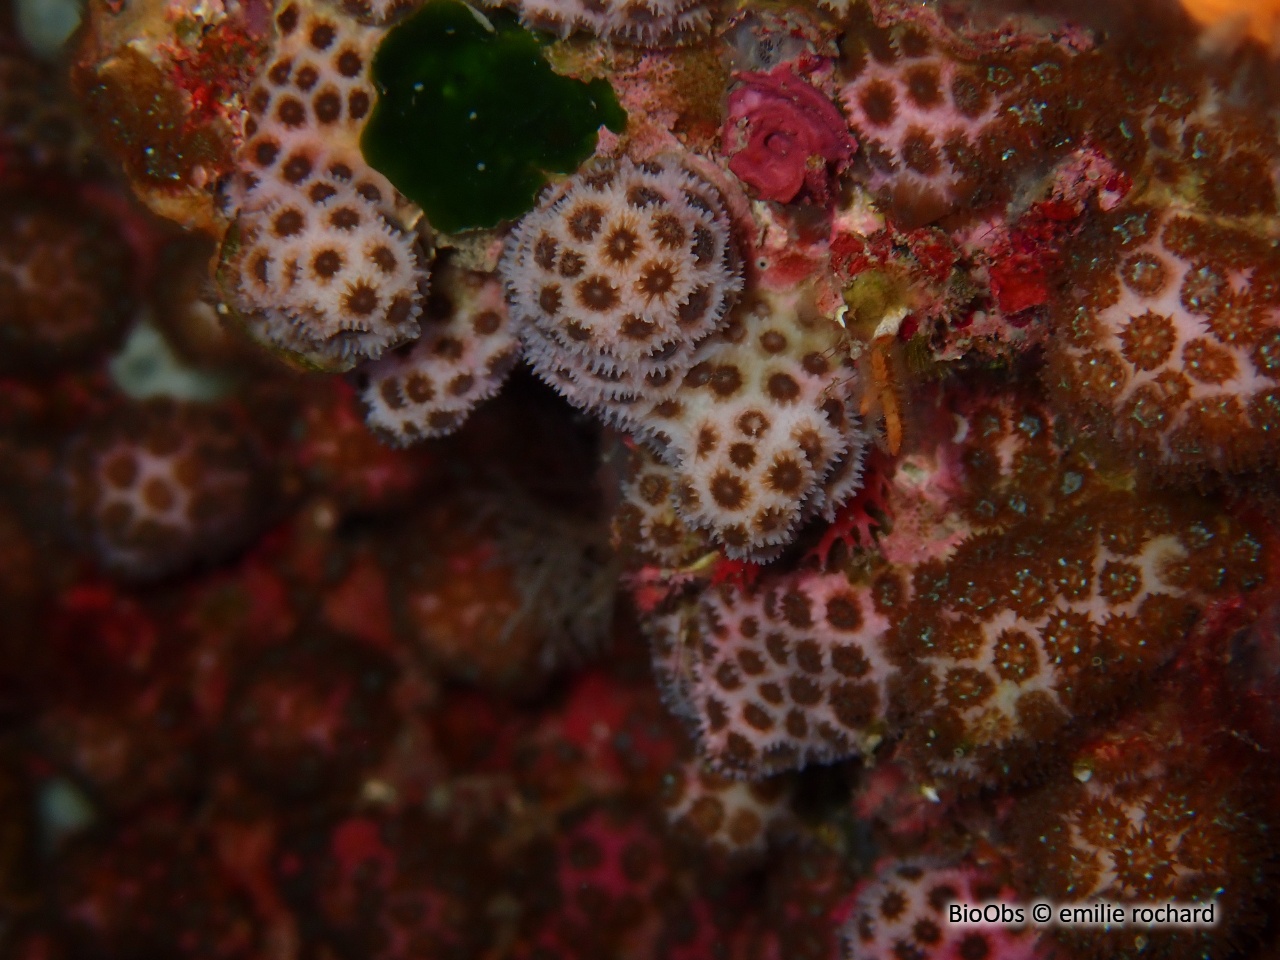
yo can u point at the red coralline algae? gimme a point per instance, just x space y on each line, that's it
1024 255
115 635
857 524
339 454
609 735
156 886
622 888
782 136
308 714
373 894
129 750
610 869
164 95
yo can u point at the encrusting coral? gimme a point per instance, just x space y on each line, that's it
1039 591
617 277
1152 816
64 284
1176 341
725 814
782 678
646 526
763 428
1064 614
916 112
645 23
162 486
903 911
625 281
467 347
316 262
326 276
308 107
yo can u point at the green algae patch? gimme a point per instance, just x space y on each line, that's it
471 118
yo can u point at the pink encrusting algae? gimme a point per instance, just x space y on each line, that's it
843 499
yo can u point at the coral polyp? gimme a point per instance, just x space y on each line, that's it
639 480
618 276
467 348
1175 345
786 677
160 487
316 262
643 23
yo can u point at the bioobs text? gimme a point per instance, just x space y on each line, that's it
990 913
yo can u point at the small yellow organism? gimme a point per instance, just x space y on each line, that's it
874 309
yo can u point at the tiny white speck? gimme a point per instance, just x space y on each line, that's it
417 88
471 115
479 166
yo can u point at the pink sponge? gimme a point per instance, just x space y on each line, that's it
784 138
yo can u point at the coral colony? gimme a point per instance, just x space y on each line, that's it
655 479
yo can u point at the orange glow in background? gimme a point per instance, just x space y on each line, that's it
1257 18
